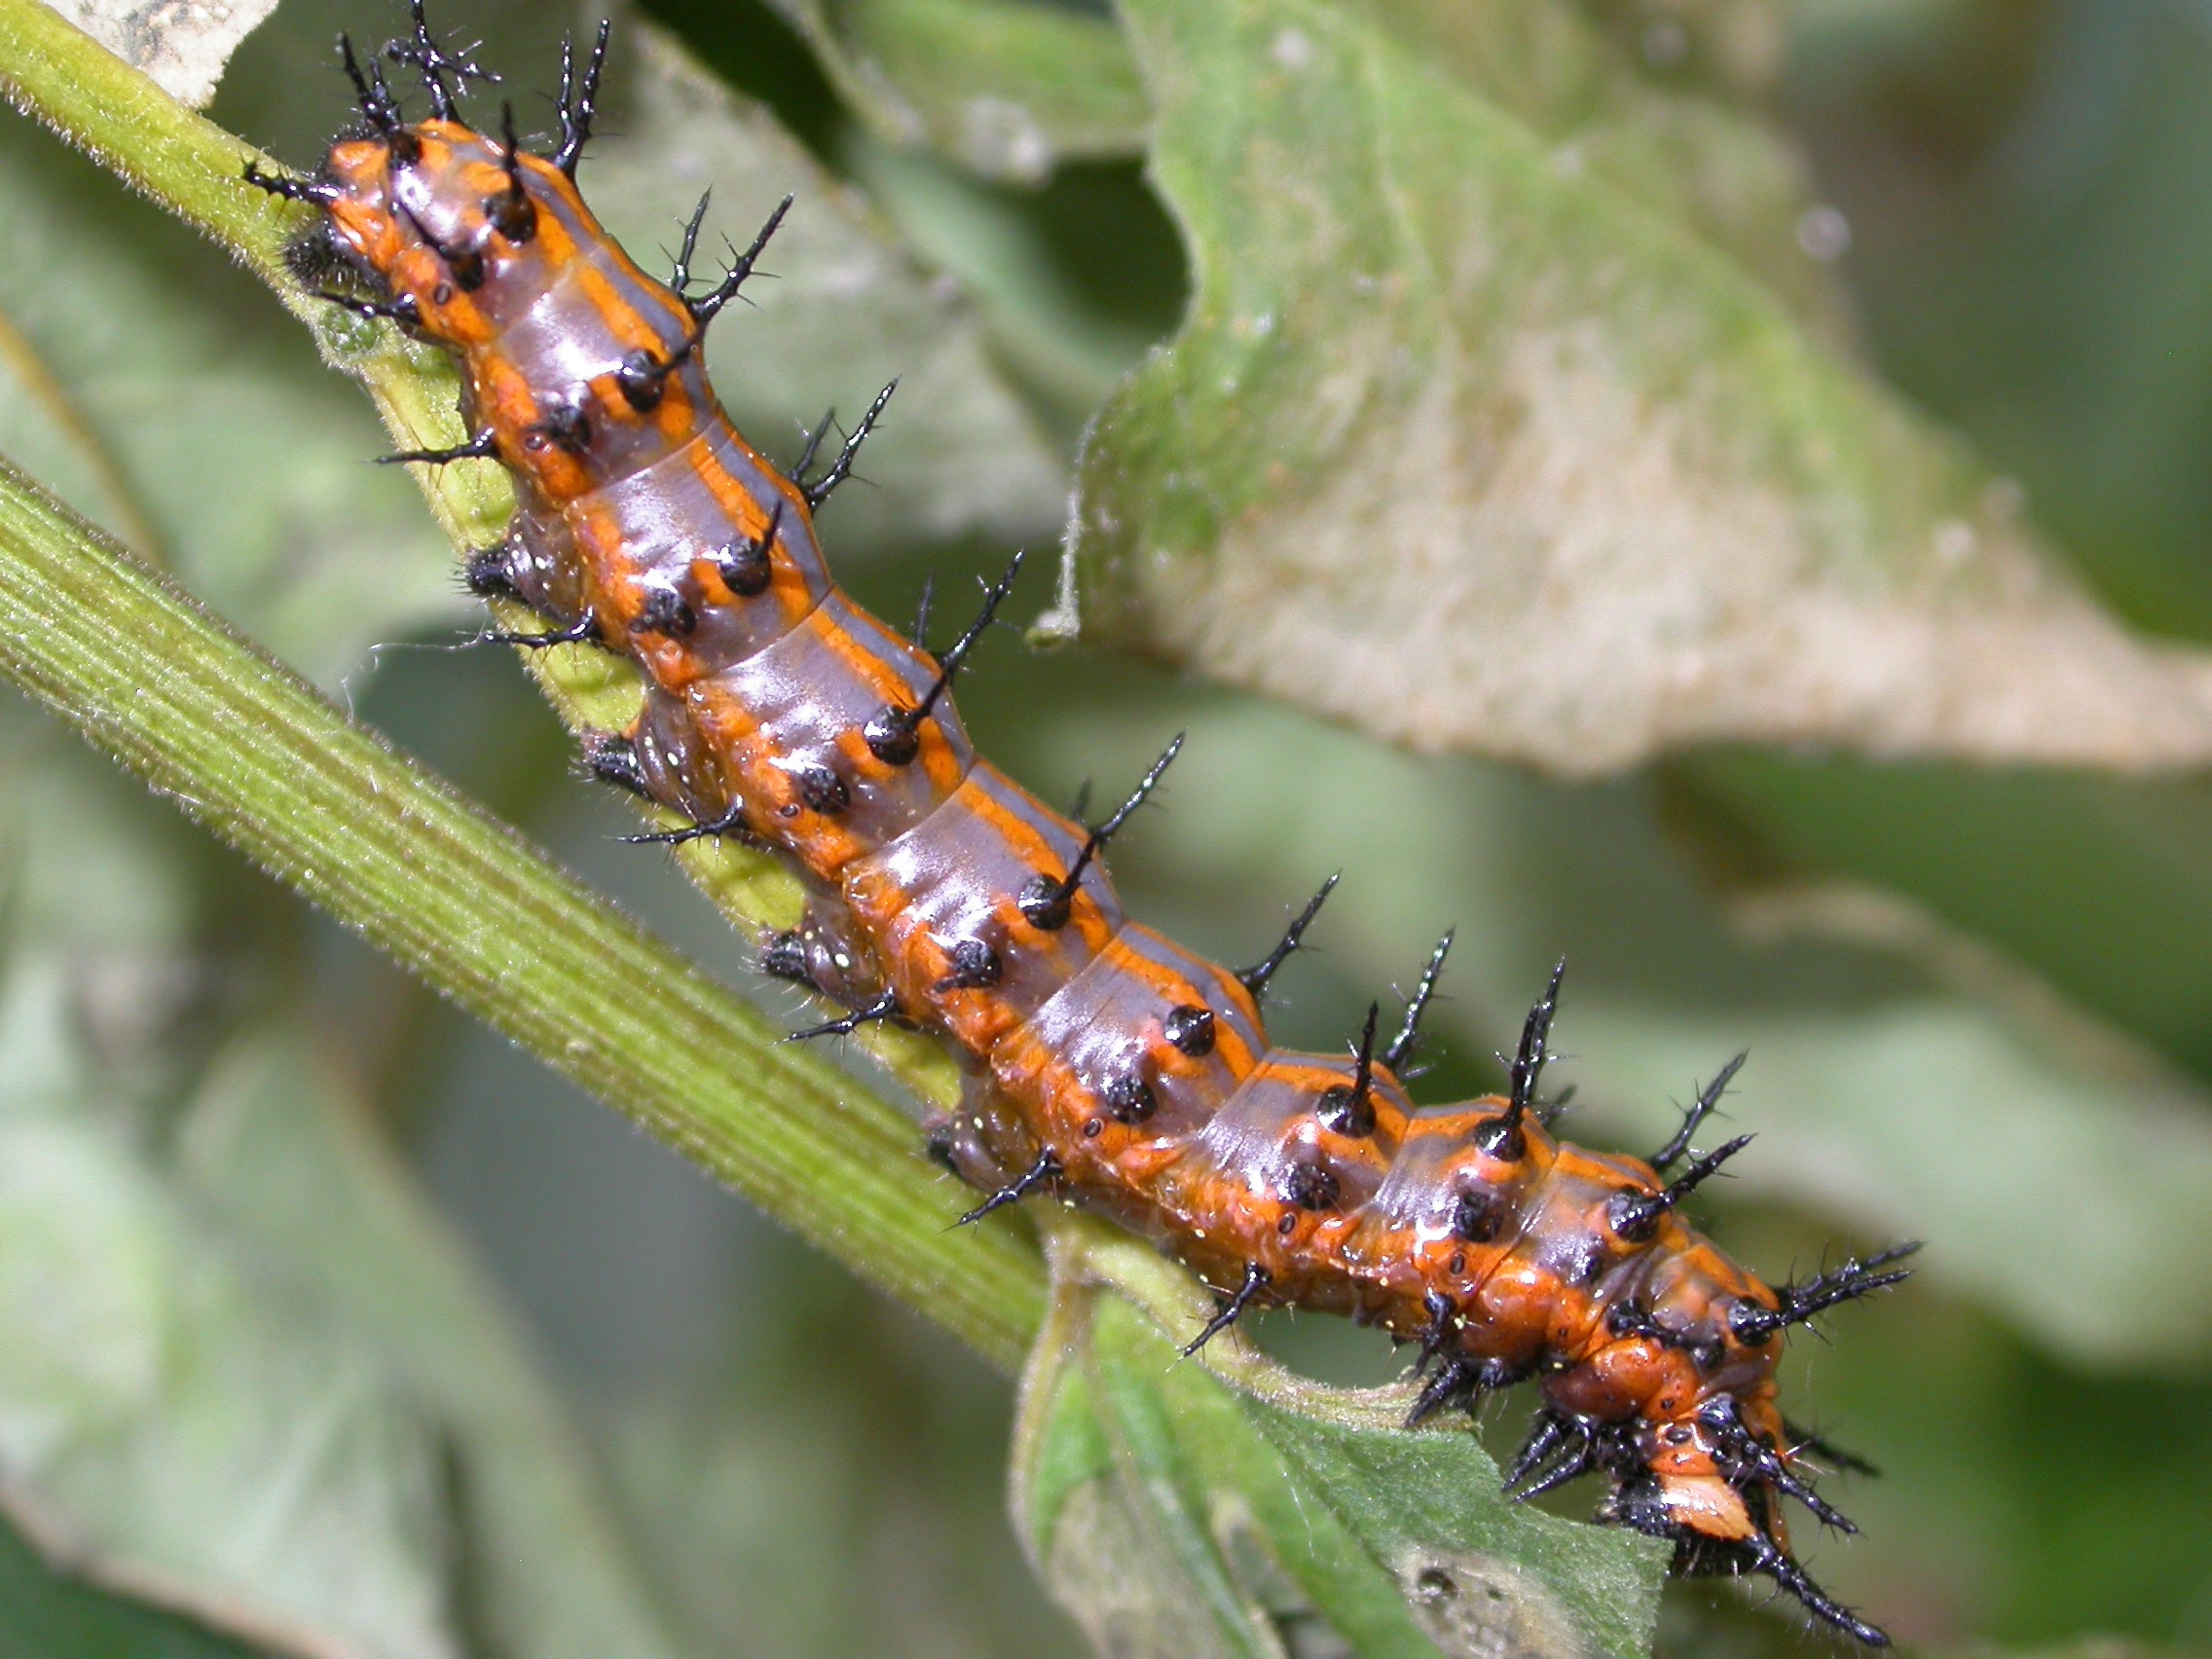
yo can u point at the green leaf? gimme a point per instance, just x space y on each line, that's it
1068 343
1666 108
270 1388
1174 1513
194 1426
50 1610
1007 88
299 1178
1478 451
2104 885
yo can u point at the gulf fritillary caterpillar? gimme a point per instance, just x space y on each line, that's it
1105 1062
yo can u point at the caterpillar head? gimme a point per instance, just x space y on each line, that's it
442 217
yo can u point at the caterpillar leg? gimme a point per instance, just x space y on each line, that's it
982 1141
1256 1280
823 954
1559 1449
1045 1169
1466 1382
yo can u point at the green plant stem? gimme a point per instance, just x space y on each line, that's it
254 753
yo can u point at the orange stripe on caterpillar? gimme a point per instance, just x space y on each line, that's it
1106 1062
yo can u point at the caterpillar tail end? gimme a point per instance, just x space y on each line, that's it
1716 1532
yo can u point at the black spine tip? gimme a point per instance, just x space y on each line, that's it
1754 1324
485 446
1255 978
680 272
1046 1168
819 490
1455 1381
729 822
1545 1434
291 189
705 308
1436 1336
378 107
434 62
1402 1045
1256 1280
1702 1108
1745 1459
579 100
807 451
403 311
884 1007
585 630
1504 1137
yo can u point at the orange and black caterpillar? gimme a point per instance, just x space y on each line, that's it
1105 1063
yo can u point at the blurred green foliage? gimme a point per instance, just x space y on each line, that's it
47 1613
242 1345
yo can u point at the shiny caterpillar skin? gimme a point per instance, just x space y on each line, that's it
1106 1063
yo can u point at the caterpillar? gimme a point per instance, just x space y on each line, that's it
1105 1063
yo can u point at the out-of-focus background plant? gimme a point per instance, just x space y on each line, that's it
1717 487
